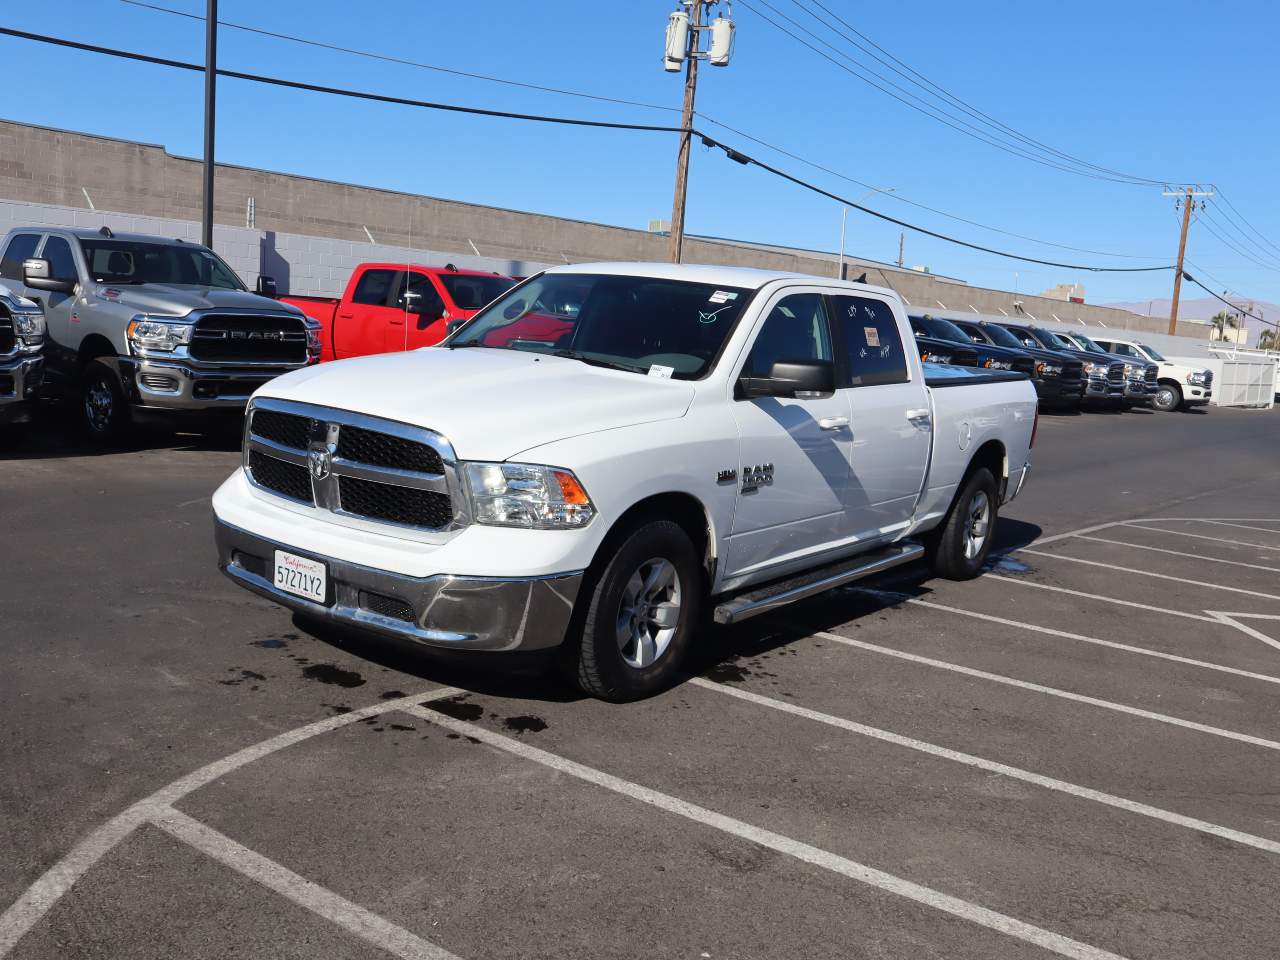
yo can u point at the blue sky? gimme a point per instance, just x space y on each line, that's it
1159 90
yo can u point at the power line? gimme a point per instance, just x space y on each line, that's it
921 106
1224 199
739 157
899 197
1236 228
1233 306
386 58
336 91
1213 226
869 47
456 108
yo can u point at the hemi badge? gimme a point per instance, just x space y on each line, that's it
726 476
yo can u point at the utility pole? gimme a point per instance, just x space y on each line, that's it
686 138
210 93
1187 201
902 239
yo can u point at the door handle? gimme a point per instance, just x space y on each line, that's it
833 423
345 316
397 321
920 417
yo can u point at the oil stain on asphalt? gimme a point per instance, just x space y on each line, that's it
331 673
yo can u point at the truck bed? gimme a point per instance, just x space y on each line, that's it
321 309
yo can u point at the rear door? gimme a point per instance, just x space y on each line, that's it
794 462
362 324
891 421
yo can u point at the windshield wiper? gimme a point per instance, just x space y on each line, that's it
469 343
598 361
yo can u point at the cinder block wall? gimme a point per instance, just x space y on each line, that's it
318 226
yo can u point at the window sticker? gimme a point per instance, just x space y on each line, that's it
722 296
661 372
872 335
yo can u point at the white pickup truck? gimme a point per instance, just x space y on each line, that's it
1180 384
609 452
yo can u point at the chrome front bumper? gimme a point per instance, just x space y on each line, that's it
1095 389
459 613
1140 390
20 379
186 385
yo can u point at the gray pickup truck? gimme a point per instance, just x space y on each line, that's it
21 364
141 327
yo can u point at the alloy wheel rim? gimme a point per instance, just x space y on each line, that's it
1165 397
98 404
977 524
648 613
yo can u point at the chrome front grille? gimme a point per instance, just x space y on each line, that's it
1115 373
8 341
1208 378
360 469
1152 373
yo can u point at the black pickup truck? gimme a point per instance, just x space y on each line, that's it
986 355
1058 377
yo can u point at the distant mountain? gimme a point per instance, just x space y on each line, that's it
1203 309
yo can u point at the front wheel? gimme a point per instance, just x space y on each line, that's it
959 547
105 407
641 614
1167 398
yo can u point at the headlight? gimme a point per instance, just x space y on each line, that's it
313 339
997 365
1090 367
527 495
1128 369
30 329
148 334
1195 376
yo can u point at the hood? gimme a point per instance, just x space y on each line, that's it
490 404
178 300
1048 356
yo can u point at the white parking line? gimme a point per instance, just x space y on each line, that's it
1179 553
1225 523
39 898
1201 536
1230 618
972 912
1150 573
351 917
1066 635
1098 596
1054 692
1014 773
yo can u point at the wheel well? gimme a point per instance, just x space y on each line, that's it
1171 382
94 346
681 508
992 456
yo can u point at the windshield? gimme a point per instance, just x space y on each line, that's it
1001 336
131 261
665 328
470 292
943 329
1055 342
1151 352
1087 343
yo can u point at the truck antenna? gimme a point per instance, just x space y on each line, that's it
106 231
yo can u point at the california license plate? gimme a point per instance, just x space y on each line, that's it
301 577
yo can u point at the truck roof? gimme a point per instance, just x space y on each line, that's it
88 233
748 278
425 268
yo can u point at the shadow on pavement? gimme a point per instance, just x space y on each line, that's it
55 433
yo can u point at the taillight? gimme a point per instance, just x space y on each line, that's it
1035 425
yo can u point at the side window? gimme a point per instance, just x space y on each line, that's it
1027 339
1121 348
871 341
62 265
796 329
917 327
22 246
972 334
374 288
432 304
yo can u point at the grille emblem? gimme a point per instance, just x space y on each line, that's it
321 461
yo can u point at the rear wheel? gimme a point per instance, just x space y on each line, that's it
105 407
960 546
1168 397
641 614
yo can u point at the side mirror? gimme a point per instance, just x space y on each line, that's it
453 325
432 308
793 378
35 274
266 287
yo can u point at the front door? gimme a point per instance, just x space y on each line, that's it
59 308
891 421
425 321
794 460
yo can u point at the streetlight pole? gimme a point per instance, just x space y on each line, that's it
844 215
210 95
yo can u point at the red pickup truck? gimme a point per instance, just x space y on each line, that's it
390 307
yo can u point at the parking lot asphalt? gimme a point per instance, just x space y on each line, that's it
1077 754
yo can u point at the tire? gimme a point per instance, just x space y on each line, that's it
622 653
1168 398
103 405
959 547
